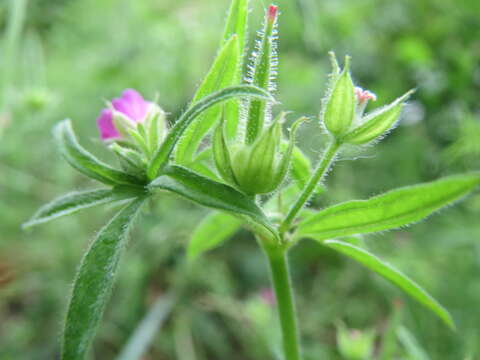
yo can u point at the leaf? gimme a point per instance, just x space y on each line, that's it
391 210
222 74
75 201
163 154
94 280
301 168
212 231
237 21
212 194
393 275
85 162
144 334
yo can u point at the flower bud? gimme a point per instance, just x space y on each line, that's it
259 168
377 123
355 344
339 108
131 120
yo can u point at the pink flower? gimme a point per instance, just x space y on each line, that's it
364 96
131 104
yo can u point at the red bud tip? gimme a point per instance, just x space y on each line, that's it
272 13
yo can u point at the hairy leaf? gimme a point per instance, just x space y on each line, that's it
393 275
163 154
94 281
85 162
222 74
75 201
212 231
391 210
212 194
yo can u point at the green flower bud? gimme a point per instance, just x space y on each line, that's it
377 123
339 106
259 168
355 344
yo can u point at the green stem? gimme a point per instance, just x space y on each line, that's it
309 188
277 258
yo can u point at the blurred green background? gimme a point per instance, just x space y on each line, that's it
63 58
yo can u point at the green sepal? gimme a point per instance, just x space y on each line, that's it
162 156
85 162
377 123
393 275
263 70
284 164
93 282
339 108
221 153
212 194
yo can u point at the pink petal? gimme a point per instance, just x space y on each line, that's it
105 125
132 104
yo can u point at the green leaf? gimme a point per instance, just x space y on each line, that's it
212 194
393 275
93 283
301 168
236 24
144 334
85 162
391 210
237 21
212 231
222 74
75 201
163 154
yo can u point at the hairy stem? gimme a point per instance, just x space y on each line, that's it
277 258
319 173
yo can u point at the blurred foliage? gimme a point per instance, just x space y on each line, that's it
73 54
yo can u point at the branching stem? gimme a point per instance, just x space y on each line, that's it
319 173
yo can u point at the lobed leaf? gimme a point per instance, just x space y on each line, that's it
212 194
391 210
216 228
393 275
85 162
76 201
222 74
163 154
94 281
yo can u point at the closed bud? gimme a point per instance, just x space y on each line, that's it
355 344
259 168
377 123
339 106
